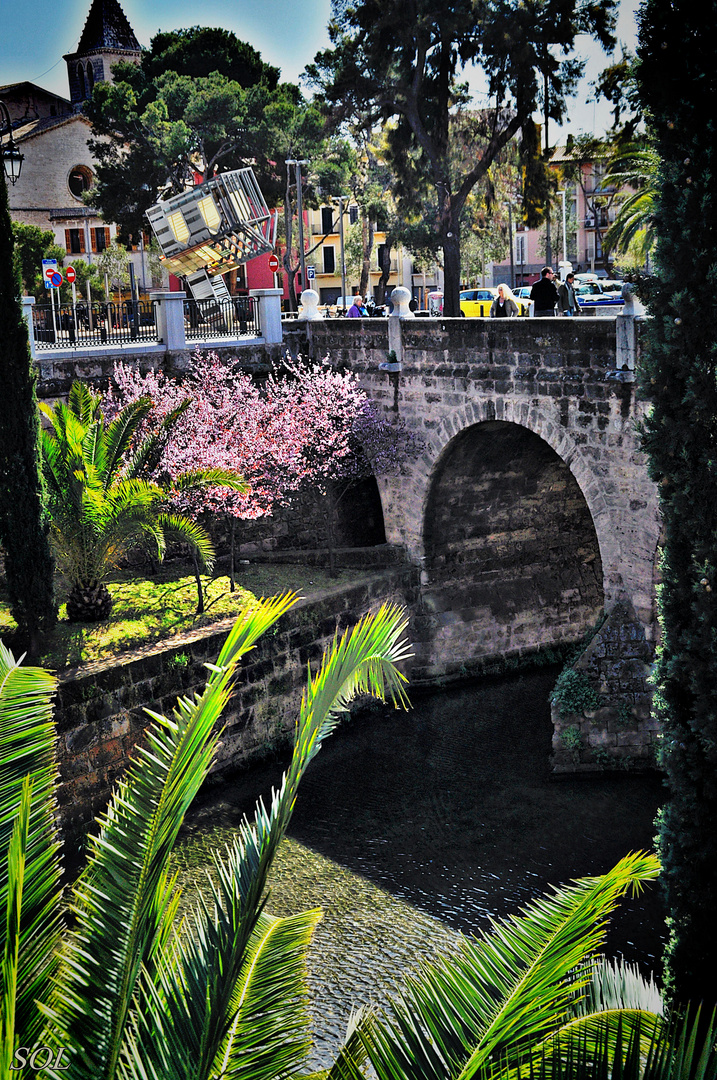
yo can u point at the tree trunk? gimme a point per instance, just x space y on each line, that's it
289 232
200 590
367 230
451 272
385 273
232 564
331 533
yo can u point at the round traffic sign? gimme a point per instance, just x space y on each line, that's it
70 274
55 279
273 263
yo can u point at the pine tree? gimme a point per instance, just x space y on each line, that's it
678 79
24 533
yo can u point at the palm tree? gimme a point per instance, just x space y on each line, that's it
125 992
100 498
633 230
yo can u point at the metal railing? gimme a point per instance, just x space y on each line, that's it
236 317
68 325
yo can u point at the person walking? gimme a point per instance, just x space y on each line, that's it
567 300
544 294
504 306
357 310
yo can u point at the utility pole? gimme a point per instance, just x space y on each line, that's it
510 237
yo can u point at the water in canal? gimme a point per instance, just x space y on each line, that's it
413 827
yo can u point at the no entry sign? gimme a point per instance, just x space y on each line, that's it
70 274
273 263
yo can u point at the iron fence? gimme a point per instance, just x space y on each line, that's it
236 317
66 325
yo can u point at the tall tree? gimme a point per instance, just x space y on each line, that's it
24 528
677 75
199 102
404 61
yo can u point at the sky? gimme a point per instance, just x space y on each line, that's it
286 33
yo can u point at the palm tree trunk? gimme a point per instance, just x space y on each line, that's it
200 590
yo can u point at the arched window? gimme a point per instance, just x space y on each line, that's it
90 78
79 180
81 81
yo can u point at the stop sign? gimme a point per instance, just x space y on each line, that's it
273 263
70 274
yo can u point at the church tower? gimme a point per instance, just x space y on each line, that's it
106 39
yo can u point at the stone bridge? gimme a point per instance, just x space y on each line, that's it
529 511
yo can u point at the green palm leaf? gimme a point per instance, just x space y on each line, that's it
27 748
147 456
197 994
12 943
512 989
123 899
118 437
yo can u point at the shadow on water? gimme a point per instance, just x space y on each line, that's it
443 816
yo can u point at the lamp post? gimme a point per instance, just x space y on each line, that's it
565 238
300 214
510 238
9 152
340 200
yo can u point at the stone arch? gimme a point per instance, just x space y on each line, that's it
512 558
533 419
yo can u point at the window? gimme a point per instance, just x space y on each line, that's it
327 220
520 249
379 255
353 215
329 260
75 241
79 181
100 238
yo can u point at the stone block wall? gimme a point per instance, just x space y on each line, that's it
99 709
619 731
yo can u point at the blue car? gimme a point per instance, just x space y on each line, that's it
592 297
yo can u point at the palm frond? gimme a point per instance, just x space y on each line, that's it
82 403
147 456
27 749
118 436
200 479
465 1014
122 901
192 533
10 958
197 997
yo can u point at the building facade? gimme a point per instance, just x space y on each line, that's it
53 135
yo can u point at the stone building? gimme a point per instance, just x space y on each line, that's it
53 135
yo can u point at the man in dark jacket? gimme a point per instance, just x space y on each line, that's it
544 294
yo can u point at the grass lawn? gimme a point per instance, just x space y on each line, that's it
151 608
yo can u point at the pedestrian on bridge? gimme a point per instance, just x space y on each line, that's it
544 294
357 309
567 300
504 306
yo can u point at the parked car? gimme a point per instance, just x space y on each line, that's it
477 302
592 298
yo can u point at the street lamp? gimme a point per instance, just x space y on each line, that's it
10 152
300 215
340 200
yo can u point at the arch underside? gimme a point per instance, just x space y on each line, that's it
511 554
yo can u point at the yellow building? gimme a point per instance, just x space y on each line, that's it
323 247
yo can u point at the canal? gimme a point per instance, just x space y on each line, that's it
413 827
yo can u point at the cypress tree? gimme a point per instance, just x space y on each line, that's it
24 529
677 77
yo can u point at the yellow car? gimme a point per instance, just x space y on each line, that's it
477 302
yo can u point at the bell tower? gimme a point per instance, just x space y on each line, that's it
106 39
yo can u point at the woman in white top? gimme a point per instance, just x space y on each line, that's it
504 305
